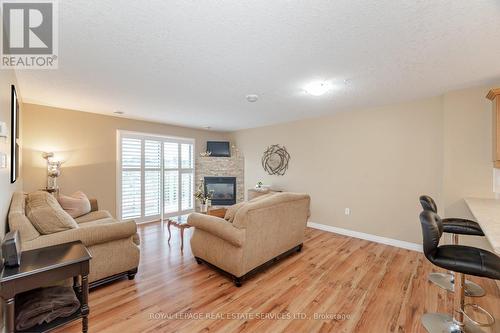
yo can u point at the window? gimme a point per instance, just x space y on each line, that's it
155 174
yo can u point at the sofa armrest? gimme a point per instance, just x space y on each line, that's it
217 227
94 207
89 235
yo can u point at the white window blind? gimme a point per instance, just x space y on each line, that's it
187 191
155 173
152 179
131 178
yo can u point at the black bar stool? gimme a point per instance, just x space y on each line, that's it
455 226
462 260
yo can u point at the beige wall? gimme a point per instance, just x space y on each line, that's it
378 161
375 161
468 170
87 143
7 78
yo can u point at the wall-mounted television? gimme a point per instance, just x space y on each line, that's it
219 148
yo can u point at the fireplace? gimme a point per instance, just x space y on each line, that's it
223 189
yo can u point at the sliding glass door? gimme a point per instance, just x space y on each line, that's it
155 175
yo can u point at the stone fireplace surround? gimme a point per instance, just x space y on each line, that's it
207 166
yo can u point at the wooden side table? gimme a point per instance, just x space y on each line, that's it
42 267
53 191
257 192
219 212
180 222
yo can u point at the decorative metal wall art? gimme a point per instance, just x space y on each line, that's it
275 160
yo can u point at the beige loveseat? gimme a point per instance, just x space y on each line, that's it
114 245
263 229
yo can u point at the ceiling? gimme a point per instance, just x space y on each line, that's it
192 62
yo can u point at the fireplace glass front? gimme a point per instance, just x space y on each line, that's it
223 190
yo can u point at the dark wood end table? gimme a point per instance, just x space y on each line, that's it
41 267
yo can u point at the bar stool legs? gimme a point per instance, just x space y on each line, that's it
446 280
462 260
459 301
444 323
441 323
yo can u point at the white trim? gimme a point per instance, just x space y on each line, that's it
369 237
118 174
153 136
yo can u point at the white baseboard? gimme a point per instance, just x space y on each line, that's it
369 237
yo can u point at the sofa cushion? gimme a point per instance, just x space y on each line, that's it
105 220
46 215
93 216
76 204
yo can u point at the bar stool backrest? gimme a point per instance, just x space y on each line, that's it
432 229
428 203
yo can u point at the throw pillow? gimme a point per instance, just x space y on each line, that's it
76 204
46 215
232 210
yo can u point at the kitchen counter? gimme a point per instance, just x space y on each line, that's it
487 214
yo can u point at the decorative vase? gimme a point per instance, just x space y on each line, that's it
204 207
51 183
209 203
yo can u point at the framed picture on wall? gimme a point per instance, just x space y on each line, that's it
14 144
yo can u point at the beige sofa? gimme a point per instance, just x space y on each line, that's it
262 230
114 245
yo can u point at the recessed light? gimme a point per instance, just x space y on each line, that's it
252 98
318 88
119 112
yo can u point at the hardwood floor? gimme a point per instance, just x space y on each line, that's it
352 285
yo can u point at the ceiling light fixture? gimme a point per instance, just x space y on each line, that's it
318 88
252 98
